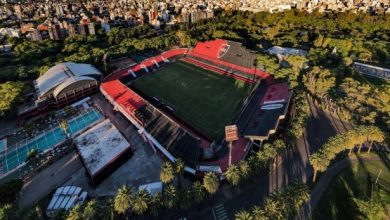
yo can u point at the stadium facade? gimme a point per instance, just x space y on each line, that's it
171 135
61 85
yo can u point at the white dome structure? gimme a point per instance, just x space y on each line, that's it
67 77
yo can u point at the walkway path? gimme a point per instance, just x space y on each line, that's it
324 181
49 179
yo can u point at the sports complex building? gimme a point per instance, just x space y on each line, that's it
181 100
60 86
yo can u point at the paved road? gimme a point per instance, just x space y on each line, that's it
49 179
293 166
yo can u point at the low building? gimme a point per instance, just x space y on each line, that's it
62 85
285 51
102 149
371 70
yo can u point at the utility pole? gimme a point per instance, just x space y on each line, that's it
376 181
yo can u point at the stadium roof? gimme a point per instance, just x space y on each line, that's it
65 73
267 115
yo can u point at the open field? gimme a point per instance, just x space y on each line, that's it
354 182
204 99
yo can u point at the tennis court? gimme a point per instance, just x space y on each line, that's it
17 155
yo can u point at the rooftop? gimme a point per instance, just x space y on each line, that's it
100 145
65 73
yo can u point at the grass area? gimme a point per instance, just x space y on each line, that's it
204 99
354 182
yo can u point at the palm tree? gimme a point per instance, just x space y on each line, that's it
179 166
76 213
64 125
185 198
362 137
258 213
211 182
198 192
376 135
350 140
243 215
7 212
233 175
170 196
167 172
140 202
122 200
90 210
108 212
271 208
318 163
301 195
245 169
279 145
155 204
179 169
32 155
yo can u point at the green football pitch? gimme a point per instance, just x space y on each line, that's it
204 99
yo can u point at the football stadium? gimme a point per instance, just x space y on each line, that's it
181 100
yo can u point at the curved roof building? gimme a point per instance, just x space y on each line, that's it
64 78
61 85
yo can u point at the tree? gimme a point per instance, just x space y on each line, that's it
108 212
185 198
10 190
167 172
32 154
244 169
140 202
91 210
7 212
233 175
122 200
371 210
258 213
198 192
272 210
76 213
319 81
211 182
318 163
170 196
375 134
243 215
361 137
64 126
11 95
155 204
179 166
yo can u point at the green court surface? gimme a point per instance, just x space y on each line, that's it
206 100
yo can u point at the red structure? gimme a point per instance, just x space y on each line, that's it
211 55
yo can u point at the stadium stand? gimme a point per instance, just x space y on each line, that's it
173 138
271 110
171 135
218 70
237 54
223 54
